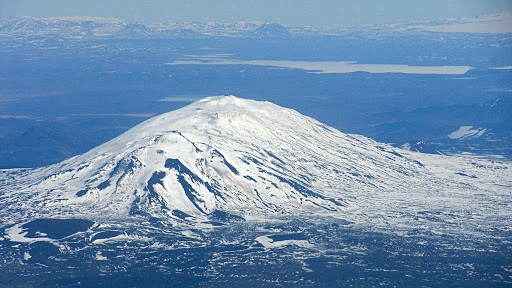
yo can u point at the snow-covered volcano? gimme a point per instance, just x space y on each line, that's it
250 159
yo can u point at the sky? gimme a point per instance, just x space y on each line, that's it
286 12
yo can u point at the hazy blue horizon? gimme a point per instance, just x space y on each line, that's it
287 12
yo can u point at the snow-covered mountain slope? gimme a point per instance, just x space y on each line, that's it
258 160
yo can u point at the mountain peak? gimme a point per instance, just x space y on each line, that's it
271 30
226 100
226 159
224 153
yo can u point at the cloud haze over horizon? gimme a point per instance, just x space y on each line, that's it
287 12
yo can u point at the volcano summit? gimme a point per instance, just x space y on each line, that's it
230 172
222 153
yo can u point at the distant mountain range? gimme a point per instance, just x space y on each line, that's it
77 27
98 27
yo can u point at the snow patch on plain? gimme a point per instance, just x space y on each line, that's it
100 257
17 234
269 243
467 132
121 237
